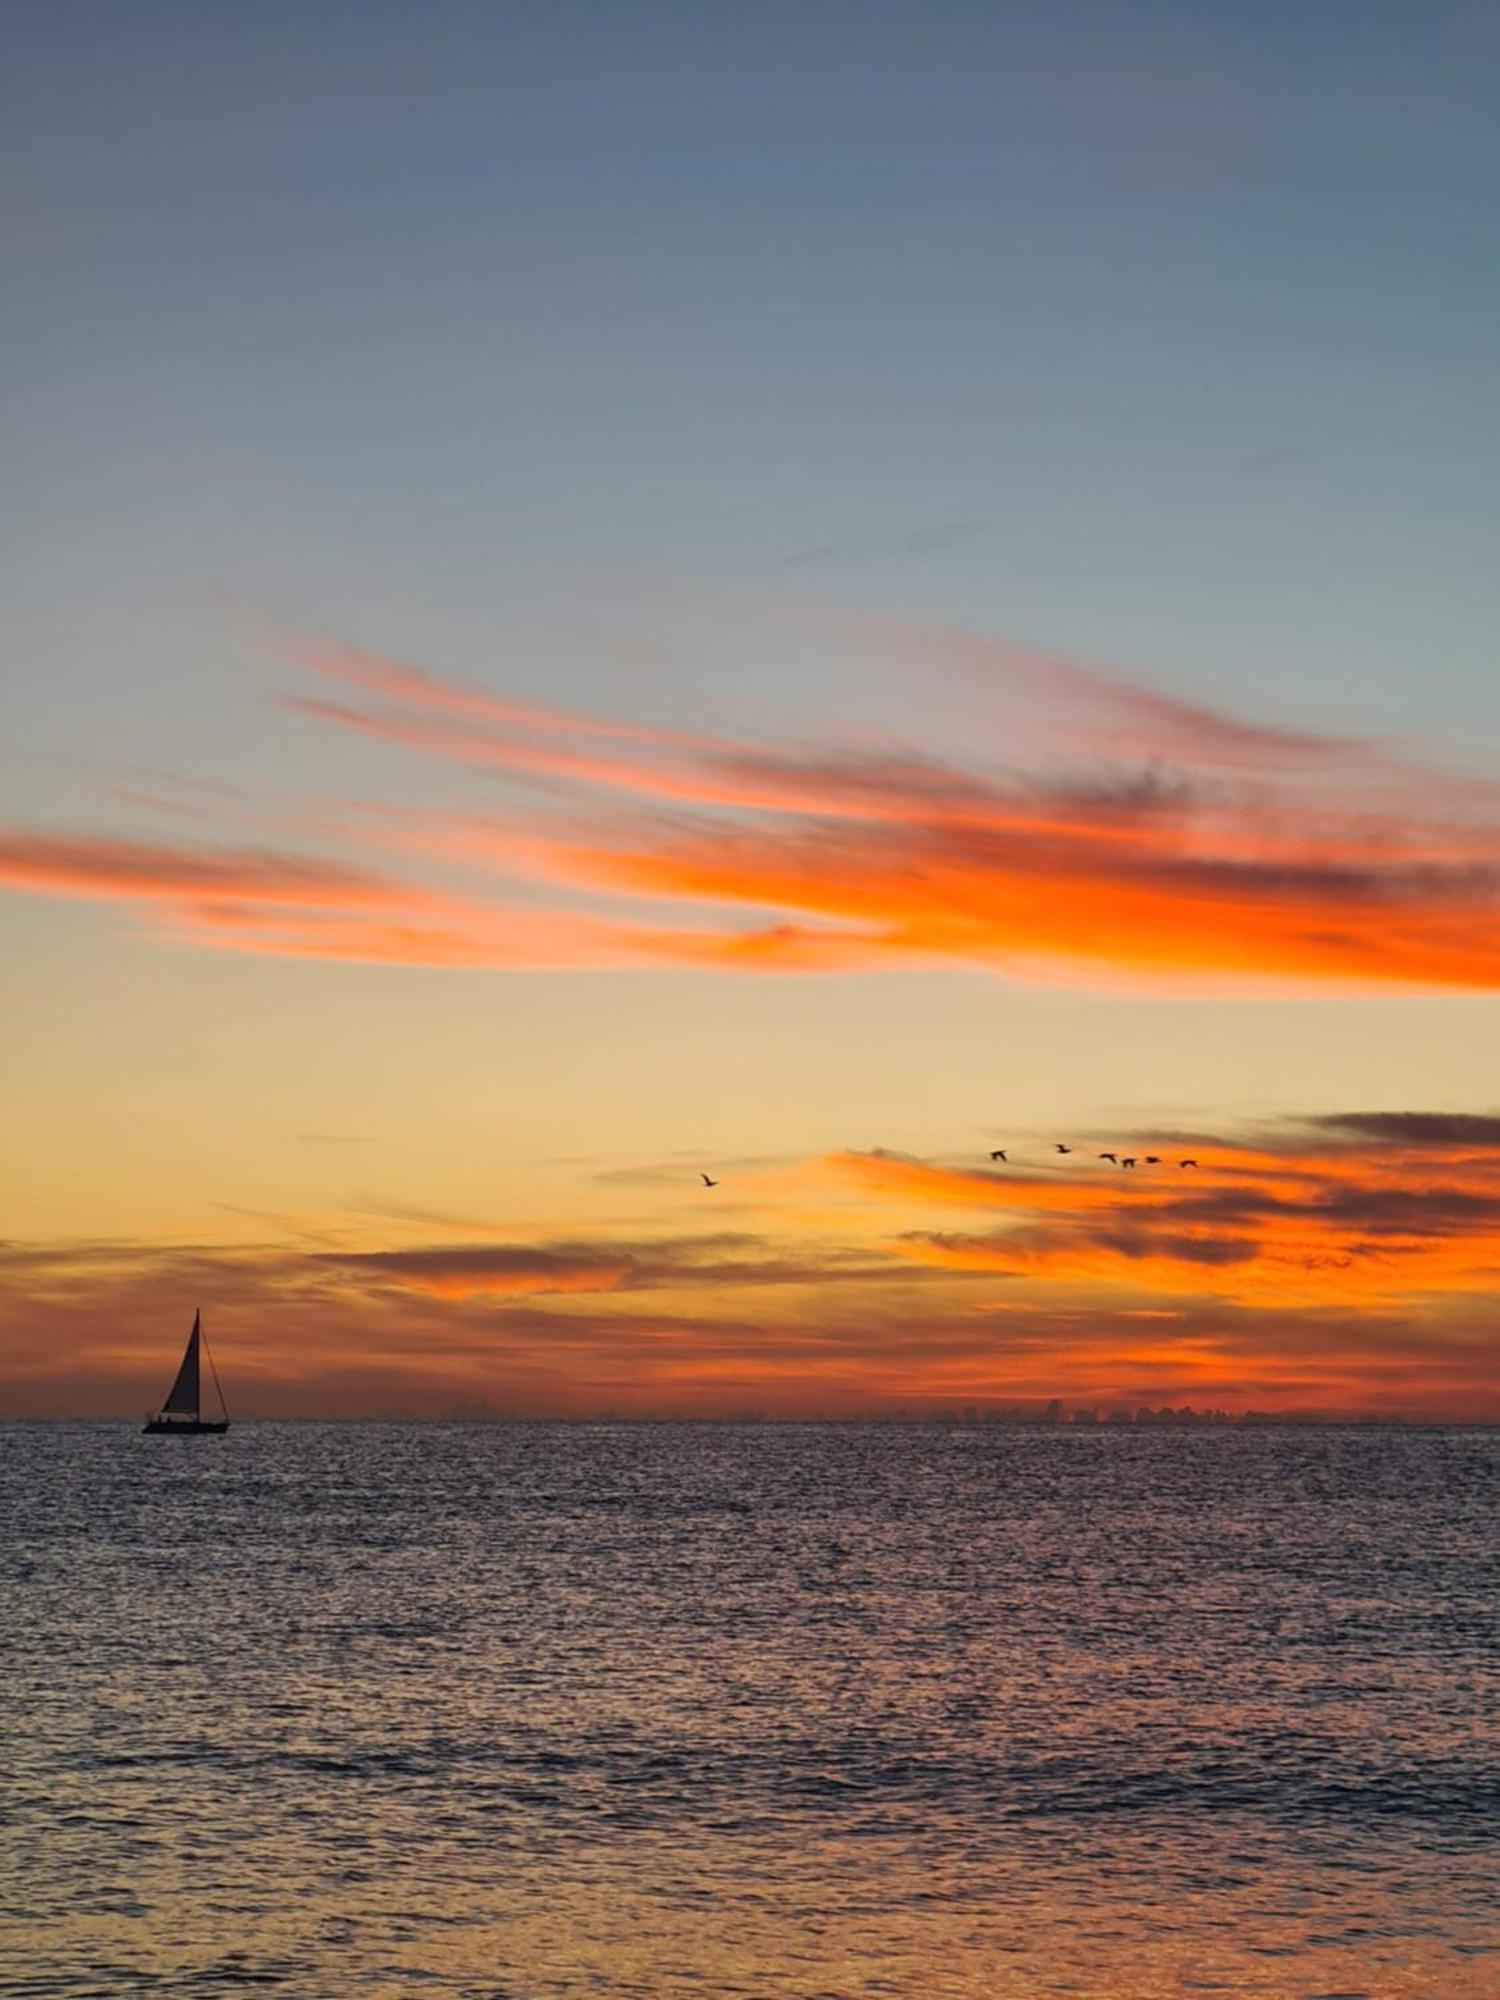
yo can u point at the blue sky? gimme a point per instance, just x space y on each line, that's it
1161 333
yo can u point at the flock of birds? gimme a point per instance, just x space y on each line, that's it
1115 1159
999 1153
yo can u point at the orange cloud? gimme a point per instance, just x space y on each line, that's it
1375 1211
1297 865
1196 848
930 895
308 907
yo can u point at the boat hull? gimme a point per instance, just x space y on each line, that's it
156 1428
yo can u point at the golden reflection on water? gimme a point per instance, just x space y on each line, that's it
541 1712
663 1919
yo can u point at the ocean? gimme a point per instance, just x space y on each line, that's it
919 1710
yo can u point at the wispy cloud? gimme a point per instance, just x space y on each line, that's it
1100 830
415 688
1441 1130
302 906
201 879
508 1269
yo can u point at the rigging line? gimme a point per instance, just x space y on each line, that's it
215 1373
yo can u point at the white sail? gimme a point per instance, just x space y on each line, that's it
183 1401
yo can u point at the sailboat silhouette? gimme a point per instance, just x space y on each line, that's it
181 1414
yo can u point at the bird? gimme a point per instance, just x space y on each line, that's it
1153 1159
1187 1163
1110 1157
1062 1149
706 1181
999 1154
1128 1161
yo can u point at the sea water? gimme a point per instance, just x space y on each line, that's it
543 1710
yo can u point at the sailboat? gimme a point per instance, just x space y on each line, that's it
181 1414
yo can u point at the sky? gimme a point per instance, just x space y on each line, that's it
597 596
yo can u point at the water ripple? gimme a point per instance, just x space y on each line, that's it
675 1711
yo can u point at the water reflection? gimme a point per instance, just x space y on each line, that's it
543 1711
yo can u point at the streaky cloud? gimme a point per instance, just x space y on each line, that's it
1099 831
1416 1128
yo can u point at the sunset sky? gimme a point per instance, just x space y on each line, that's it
604 594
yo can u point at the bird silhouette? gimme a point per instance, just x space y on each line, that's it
1110 1157
1063 1149
1128 1161
706 1181
1187 1163
1153 1159
999 1154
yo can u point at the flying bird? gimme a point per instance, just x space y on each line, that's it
1187 1163
706 1181
1062 1149
1128 1161
1153 1159
1110 1157
999 1154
